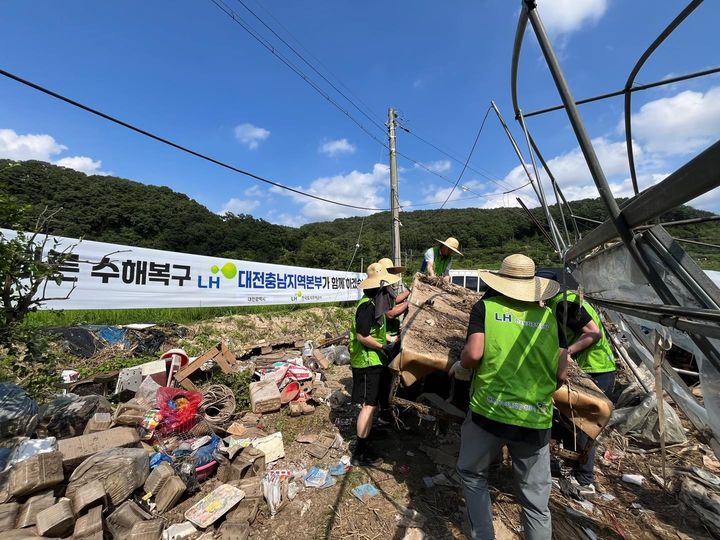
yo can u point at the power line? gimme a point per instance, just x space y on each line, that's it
357 244
176 145
265 43
485 175
309 52
243 4
477 137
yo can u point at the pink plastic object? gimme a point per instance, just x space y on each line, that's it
202 473
290 392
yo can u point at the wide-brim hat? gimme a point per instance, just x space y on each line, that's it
516 279
452 243
377 277
390 266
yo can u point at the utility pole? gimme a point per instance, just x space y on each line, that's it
394 200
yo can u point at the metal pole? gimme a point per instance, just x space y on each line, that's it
541 198
559 242
362 264
631 80
618 220
394 201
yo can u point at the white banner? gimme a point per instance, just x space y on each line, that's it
111 276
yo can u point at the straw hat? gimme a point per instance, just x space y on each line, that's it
378 277
452 244
516 279
390 266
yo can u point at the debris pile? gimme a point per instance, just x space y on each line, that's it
159 452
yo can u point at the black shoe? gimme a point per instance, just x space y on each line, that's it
366 459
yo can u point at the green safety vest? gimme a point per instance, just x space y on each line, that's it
517 375
361 356
440 263
598 357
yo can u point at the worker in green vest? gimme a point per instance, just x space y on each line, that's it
399 294
438 259
590 348
368 357
516 357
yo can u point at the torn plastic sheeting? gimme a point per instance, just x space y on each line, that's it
642 424
685 400
18 411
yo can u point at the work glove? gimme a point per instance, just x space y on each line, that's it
460 373
390 351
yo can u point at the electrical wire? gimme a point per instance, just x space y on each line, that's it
477 138
380 126
327 69
265 43
357 245
485 175
177 146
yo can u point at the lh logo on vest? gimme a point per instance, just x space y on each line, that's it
508 318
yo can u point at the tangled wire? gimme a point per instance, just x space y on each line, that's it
218 404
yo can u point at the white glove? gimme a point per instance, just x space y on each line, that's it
460 373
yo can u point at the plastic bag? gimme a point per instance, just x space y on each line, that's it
342 356
177 408
642 424
67 416
18 412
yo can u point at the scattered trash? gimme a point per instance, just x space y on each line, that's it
271 446
611 455
636 479
340 469
365 492
215 505
264 396
316 477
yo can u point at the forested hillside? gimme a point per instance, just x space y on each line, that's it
110 209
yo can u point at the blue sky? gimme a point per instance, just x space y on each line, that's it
186 71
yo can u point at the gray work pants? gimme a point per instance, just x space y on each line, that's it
531 468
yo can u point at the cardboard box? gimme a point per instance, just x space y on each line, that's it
147 530
8 516
37 473
170 494
88 495
75 450
32 507
89 526
122 520
57 520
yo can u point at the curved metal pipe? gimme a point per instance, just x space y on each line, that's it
631 79
517 47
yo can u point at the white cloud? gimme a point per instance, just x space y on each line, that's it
335 148
566 16
251 135
356 188
254 191
43 147
239 206
440 166
83 164
289 220
23 147
680 124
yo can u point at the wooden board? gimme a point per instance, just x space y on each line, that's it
218 354
434 329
